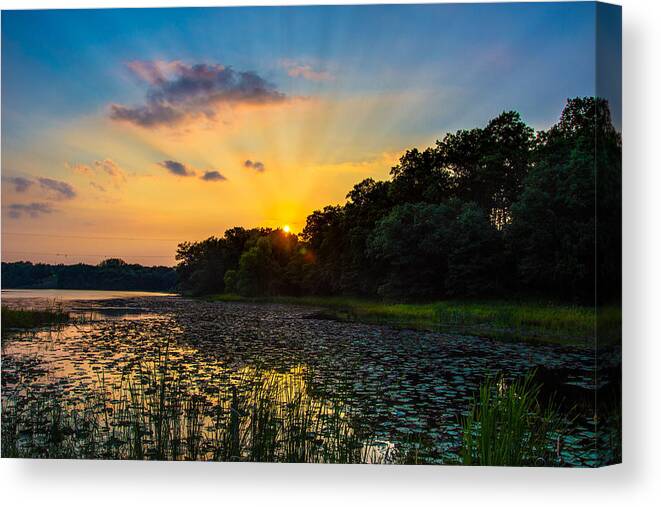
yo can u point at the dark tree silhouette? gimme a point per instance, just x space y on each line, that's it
492 211
110 274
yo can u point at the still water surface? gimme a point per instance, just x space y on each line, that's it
155 376
74 294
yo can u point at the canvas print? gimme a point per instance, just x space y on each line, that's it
377 234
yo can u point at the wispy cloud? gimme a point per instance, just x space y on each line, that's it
57 189
21 184
177 91
81 168
46 188
178 168
153 72
212 176
32 210
112 169
186 170
107 167
254 165
305 70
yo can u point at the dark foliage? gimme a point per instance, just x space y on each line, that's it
570 207
110 274
499 210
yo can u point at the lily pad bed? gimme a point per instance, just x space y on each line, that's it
370 393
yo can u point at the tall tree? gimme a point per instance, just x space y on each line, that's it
412 242
488 166
554 223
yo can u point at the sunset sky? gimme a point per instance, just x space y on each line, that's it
125 132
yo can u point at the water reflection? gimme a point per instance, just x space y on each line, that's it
110 312
75 294
175 404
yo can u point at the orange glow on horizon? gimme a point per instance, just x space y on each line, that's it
310 154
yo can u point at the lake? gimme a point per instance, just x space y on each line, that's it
154 376
73 294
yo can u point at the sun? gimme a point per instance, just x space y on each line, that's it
286 228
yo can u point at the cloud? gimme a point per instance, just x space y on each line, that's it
57 189
152 115
177 91
256 165
212 176
185 170
106 166
21 184
47 188
98 187
81 168
112 169
305 71
153 72
32 210
177 168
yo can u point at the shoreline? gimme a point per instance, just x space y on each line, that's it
529 322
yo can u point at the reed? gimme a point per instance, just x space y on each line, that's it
155 414
28 318
507 426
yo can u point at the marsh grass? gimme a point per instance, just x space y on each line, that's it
519 321
30 318
155 414
507 426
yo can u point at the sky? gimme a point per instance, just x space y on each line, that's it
127 131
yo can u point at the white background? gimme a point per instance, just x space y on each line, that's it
636 482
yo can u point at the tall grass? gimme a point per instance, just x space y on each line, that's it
155 414
507 426
29 318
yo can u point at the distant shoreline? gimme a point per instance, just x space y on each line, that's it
110 274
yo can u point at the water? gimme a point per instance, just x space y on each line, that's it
164 377
88 304
73 294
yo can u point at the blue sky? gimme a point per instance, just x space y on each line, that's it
367 81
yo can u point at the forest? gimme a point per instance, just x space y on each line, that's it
110 274
496 211
490 212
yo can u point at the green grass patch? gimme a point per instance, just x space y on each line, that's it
25 319
507 426
516 321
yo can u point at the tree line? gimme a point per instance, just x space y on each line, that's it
494 211
110 274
